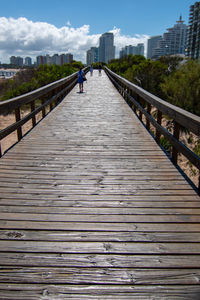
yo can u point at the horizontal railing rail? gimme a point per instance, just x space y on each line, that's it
142 102
49 95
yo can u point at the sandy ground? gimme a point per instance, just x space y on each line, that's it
11 139
7 142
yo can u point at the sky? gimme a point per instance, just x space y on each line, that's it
40 27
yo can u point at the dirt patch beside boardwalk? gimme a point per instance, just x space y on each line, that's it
11 139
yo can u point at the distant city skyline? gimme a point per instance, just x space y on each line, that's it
56 59
32 28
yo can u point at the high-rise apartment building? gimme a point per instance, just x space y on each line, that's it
193 36
18 61
106 47
65 58
40 60
152 44
173 42
69 58
140 49
28 61
56 59
92 55
134 50
13 60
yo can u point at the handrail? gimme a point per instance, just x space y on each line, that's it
142 102
50 94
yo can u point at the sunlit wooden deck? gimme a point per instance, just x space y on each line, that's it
92 208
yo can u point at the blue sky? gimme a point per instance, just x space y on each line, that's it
133 20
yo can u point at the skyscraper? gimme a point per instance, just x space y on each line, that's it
92 55
152 44
173 41
18 61
140 49
106 47
28 61
193 37
134 50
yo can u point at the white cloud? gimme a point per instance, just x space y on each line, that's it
68 23
22 37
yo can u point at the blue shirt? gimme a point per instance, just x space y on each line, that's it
80 76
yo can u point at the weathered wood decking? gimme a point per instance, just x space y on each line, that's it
91 208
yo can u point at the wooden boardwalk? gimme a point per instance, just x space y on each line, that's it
91 208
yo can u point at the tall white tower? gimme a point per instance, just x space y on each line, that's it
106 47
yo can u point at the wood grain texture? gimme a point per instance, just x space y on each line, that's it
91 208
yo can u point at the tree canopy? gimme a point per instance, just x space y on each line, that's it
28 80
169 78
182 88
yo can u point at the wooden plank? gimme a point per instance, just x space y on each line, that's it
100 211
98 276
100 247
89 226
95 275
101 218
99 260
100 236
137 190
10 204
15 175
84 181
165 198
89 291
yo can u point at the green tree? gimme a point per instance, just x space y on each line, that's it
121 65
182 87
148 74
29 80
77 64
172 62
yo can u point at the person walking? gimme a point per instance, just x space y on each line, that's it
91 70
81 77
100 68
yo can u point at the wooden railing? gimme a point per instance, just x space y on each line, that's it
143 103
38 101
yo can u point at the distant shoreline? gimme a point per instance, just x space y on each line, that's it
8 73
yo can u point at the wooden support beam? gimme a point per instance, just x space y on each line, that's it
159 121
33 117
174 149
18 118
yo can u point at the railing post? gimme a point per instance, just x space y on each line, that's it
57 99
149 112
18 118
43 109
134 106
0 151
33 117
176 135
139 100
51 104
159 121
120 87
199 184
127 97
